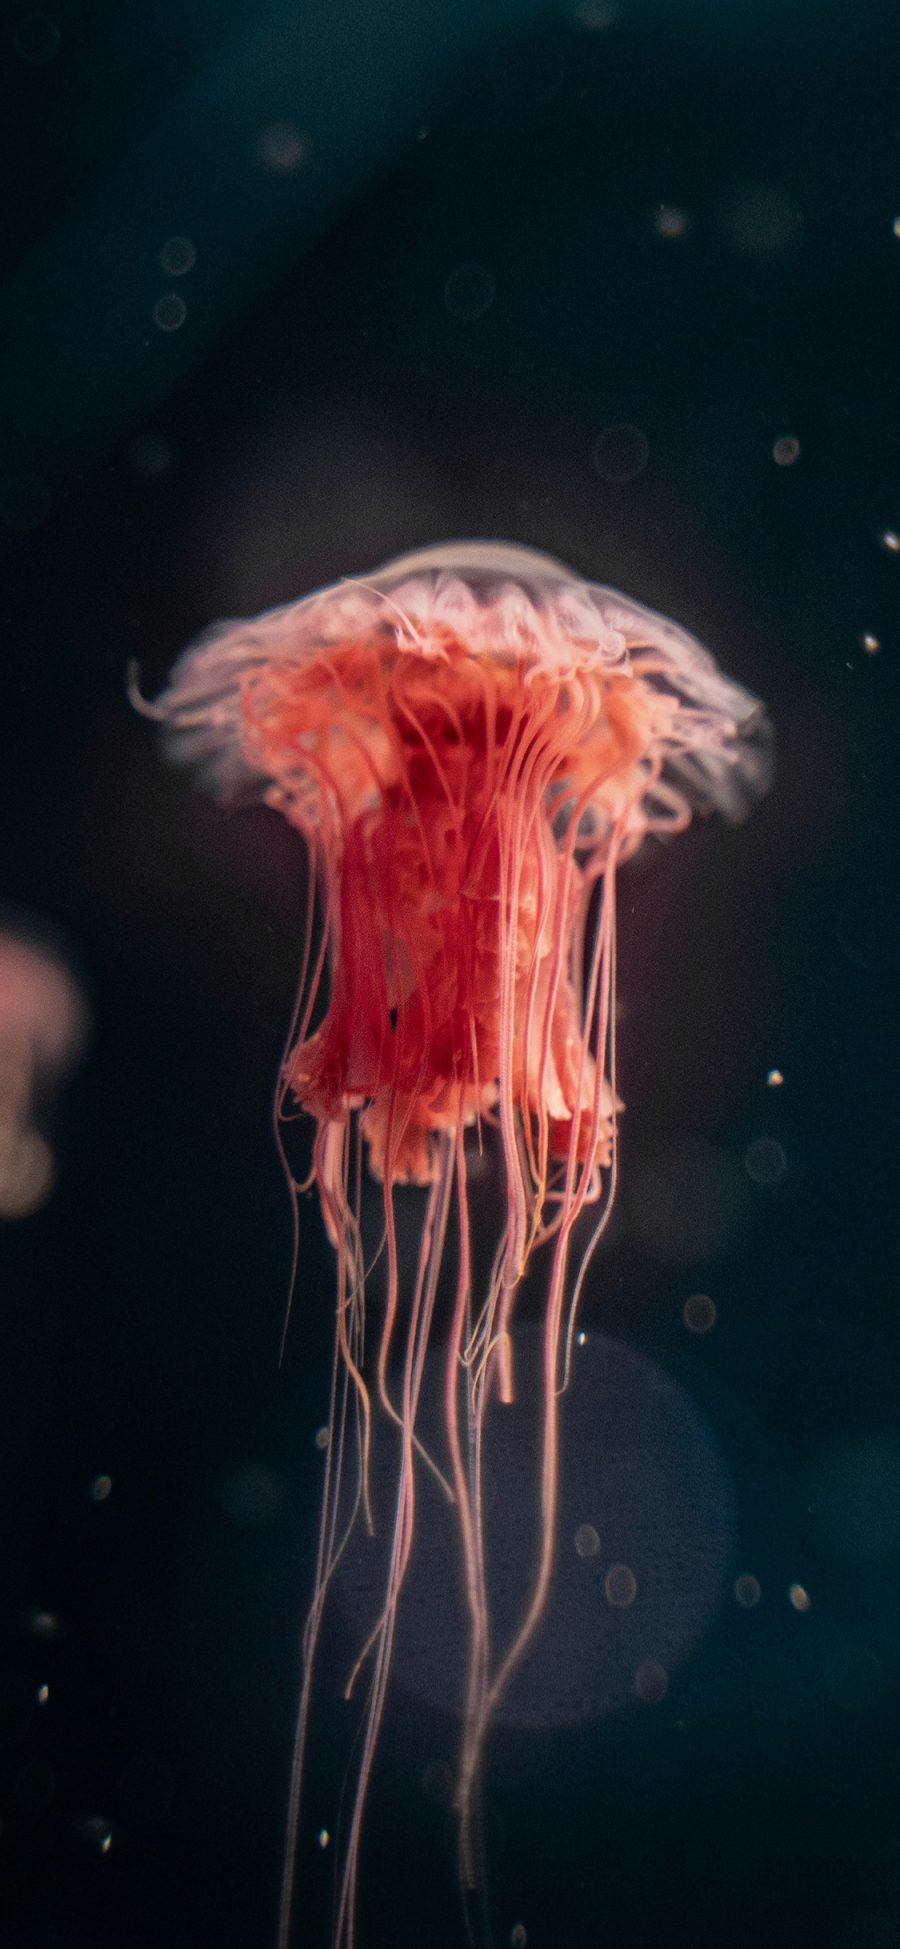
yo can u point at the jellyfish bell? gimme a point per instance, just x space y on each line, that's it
471 740
433 729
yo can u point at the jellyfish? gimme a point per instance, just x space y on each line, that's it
43 1029
471 742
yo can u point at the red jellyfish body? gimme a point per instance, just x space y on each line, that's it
469 740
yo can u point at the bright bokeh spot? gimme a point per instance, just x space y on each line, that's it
699 1313
620 1585
587 1542
651 1682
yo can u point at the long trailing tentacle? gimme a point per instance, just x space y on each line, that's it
380 1645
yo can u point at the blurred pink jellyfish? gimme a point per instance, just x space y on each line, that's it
43 1028
471 741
